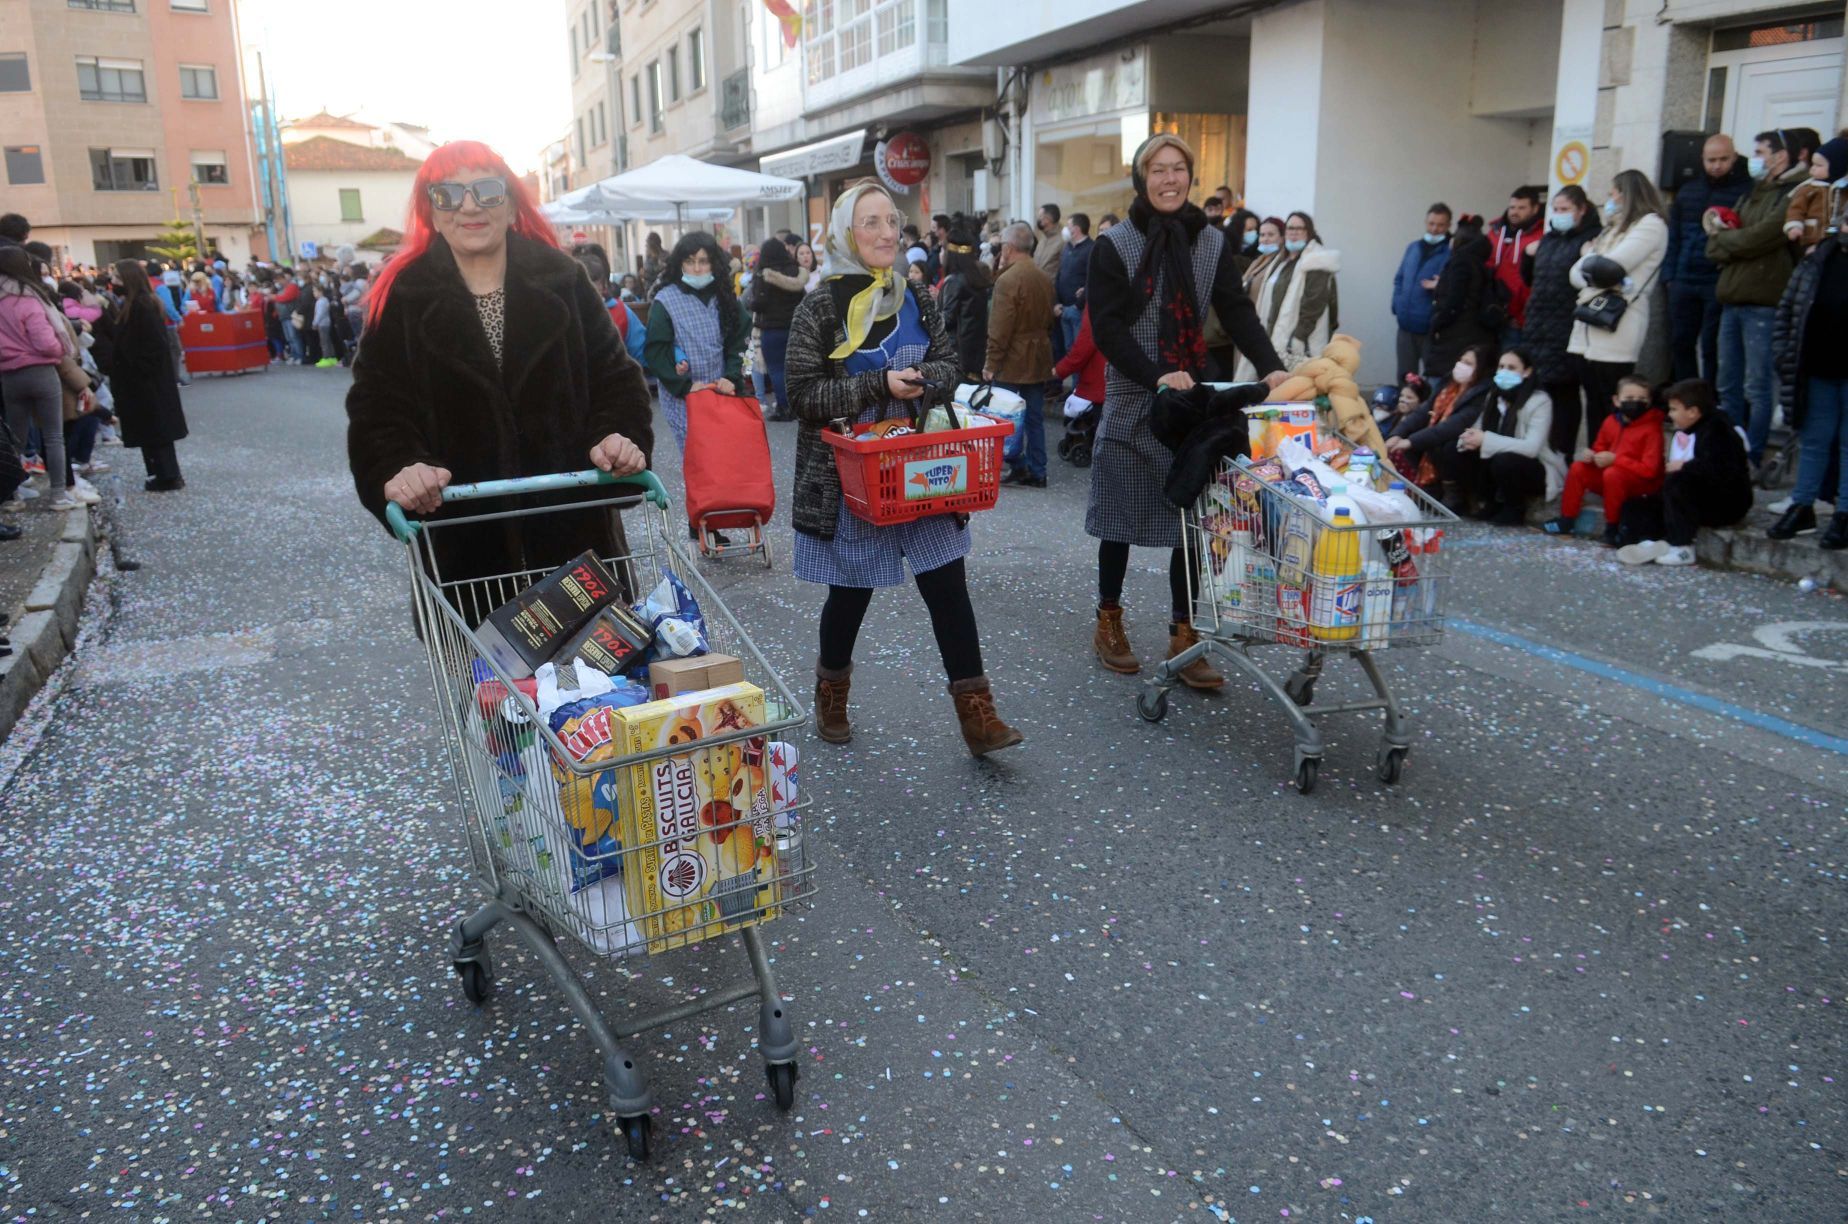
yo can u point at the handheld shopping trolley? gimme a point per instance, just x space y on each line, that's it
529 803
1272 568
726 469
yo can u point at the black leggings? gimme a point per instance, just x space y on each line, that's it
952 619
1113 565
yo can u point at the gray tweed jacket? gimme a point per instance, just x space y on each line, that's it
820 391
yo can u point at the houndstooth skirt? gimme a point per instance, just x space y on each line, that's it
1127 505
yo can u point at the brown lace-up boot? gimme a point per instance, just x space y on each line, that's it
831 688
982 728
1199 674
1112 644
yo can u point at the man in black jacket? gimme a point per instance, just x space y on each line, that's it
1692 278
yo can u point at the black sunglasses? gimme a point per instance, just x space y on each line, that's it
449 197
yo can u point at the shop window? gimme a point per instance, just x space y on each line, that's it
123 170
15 73
198 82
25 165
349 205
110 80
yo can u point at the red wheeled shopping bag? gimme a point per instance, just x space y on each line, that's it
727 463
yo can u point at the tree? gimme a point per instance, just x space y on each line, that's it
176 242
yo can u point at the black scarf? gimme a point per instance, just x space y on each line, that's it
1504 409
842 290
1167 258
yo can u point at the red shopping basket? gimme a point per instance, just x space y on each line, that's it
912 476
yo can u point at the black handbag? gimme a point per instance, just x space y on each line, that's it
1605 309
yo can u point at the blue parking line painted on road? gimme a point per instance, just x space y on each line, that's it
1660 688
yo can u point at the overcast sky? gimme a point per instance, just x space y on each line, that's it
492 70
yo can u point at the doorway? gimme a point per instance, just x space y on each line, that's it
1775 76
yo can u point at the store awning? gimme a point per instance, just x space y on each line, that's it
842 152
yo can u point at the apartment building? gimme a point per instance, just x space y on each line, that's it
110 110
685 79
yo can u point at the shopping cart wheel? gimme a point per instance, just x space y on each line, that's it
783 1077
1300 688
1305 774
474 975
637 1131
1391 764
1152 704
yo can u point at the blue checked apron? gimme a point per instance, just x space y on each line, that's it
860 554
698 334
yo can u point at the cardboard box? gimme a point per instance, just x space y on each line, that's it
667 677
697 825
612 642
529 629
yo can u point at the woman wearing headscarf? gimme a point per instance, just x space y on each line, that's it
489 355
862 348
1152 281
697 331
780 285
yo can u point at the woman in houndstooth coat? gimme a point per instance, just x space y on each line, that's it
1151 283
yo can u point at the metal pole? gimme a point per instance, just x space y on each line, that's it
198 220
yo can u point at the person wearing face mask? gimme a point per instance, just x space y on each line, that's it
1074 267
1458 320
697 331
1504 459
1428 449
1624 461
1811 354
489 355
1265 258
1624 259
1301 306
1572 223
1241 230
1755 264
1051 243
1414 288
1692 278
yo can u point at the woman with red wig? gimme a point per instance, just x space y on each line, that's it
488 355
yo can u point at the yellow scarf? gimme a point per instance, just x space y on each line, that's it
879 300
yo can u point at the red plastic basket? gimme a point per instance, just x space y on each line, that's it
912 476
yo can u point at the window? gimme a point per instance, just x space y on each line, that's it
655 103
591 20
15 73
696 61
673 74
1777 34
603 124
349 205
818 31
582 144
199 82
187 6
897 27
123 170
110 80
574 50
104 6
25 165
635 100
210 169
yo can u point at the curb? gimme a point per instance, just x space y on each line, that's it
47 630
1745 548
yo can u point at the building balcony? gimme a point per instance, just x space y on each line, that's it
735 101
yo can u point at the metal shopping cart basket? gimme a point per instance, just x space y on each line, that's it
568 848
1273 568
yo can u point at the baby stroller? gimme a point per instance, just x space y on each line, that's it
1075 446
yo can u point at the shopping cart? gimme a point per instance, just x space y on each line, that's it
529 803
1271 568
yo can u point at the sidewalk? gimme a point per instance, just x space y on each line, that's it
43 577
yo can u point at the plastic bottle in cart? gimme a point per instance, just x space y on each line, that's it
1295 554
1431 540
1339 502
1407 509
1397 545
1364 466
1339 582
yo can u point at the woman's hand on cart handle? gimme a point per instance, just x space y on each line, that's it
905 384
1176 380
418 488
618 456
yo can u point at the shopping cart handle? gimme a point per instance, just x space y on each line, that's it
405 528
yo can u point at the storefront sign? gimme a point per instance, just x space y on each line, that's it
842 152
1104 84
902 161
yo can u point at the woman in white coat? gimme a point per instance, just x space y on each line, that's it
1504 459
1297 299
1624 258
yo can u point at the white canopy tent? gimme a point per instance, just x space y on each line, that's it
679 182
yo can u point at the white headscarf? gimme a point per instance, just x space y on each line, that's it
841 257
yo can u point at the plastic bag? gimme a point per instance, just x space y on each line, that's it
673 614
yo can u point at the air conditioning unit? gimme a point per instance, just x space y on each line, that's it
982 195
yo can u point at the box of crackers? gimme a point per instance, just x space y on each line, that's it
697 826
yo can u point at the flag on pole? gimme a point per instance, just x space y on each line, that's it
790 19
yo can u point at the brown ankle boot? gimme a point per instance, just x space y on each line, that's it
982 728
831 689
1112 644
1199 674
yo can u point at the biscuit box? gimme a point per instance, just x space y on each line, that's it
528 629
702 848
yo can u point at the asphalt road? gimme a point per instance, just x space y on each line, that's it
1582 962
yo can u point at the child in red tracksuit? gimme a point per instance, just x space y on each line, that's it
1624 461
1086 361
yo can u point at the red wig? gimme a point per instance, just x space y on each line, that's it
419 230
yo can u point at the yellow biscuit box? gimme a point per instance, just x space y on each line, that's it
701 844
